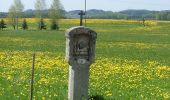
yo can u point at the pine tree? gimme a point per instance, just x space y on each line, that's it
24 25
54 25
2 24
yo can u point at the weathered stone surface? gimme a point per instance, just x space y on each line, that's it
78 83
80 54
73 37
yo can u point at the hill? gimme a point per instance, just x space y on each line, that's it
95 13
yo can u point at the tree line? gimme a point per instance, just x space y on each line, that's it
100 14
125 14
16 12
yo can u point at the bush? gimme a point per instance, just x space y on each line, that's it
24 25
2 24
42 24
54 25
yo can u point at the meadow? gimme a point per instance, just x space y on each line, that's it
132 61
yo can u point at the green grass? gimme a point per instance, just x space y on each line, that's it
125 51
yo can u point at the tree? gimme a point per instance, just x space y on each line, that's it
40 6
12 16
24 25
42 24
150 16
168 17
54 25
2 24
162 16
55 13
19 9
143 21
15 12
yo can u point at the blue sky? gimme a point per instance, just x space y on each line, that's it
112 5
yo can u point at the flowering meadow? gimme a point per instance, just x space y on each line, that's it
132 61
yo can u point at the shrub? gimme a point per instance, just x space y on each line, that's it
42 24
2 24
24 25
54 25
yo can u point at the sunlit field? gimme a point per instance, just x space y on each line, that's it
132 61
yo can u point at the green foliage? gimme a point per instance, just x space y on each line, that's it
105 15
164 15
19 7
40 6
12 16
143 21
24 25
55 13
150 16
56 10
15 12
54 25
41 24
168 17
2 24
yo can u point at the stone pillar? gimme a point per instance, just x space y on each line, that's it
78 82
80 54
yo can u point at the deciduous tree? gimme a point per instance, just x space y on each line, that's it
55 13
15 12
40 6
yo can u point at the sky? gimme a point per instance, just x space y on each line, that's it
108 5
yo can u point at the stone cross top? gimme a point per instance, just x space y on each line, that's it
81 13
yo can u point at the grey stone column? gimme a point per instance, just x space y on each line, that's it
80 54
78 82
